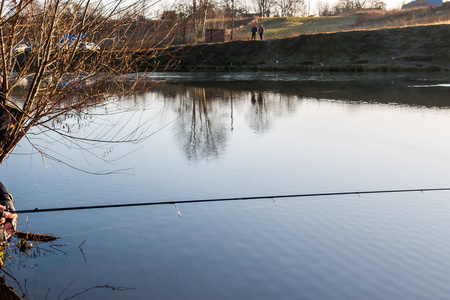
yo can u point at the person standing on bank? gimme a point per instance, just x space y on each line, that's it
254 30
261 30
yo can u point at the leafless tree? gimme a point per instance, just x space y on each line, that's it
290 8
191 19
264 7
59 75
324 8
349 5
199 17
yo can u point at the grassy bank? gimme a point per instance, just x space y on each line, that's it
283 27
293 26
394 49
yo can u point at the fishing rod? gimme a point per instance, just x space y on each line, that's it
36 210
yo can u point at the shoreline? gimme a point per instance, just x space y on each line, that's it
406 49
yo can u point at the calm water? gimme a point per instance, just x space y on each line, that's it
236 135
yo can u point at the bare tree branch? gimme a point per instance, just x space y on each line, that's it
66 79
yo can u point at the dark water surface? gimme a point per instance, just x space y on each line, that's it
239 135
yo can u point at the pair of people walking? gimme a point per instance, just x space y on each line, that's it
260 30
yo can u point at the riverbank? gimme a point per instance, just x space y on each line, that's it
417 48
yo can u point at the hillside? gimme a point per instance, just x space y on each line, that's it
359 20
293 26
406 48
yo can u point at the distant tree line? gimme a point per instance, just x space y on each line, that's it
198 10
343 6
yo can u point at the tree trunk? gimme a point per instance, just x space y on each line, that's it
9 119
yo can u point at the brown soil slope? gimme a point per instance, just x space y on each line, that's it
397 49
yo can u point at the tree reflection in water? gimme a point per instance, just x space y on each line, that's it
259 118
202 130
207 115
204 113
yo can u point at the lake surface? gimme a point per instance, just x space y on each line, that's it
226 135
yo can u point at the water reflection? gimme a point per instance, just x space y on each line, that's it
201 128
6 292
21 253
376 87
205 107
206 115
259 118
295 141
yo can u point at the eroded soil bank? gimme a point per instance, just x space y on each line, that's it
395 49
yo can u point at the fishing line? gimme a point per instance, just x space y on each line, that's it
205 213
118 226
273 197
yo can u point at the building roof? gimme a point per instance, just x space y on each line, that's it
422 2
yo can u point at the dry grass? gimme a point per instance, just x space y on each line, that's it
363 20
377 19
293 26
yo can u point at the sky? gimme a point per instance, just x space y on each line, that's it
390 4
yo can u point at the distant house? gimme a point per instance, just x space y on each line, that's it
422 3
